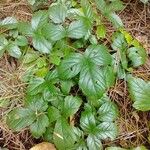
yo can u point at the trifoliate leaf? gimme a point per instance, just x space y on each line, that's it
98 54
39 19
77 29
70 66
108 112
71 105
101 31
63 136
53 114
54 32
94 143
21 41
9 22
137 56
41 43
139 92
14 50
107 130
20 118
58 13
39 126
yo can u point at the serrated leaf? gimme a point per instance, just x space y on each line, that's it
9 22
58 13
77 30
87 121
25 28
71 105
108 112
20 118
87 9
107 130
3 45
53 114
30 57
39 19
137 56
39 127
98 54
94 143
139 92
66 86
63 136
116 20
41 43
54 32
14 50
36 103
36 86
70 66
94 81
21 41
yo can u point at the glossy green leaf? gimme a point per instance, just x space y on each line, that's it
70 66
36 86
3 45
137 56
71 105
58 13
98 54
87 9
39 19
77 30
63 136
116 20
36 103
20 118
39 126
139 92
87 121
25 28
41 43
14 50
54 32
94 81
94 143
107 112
107 130
9 22
53 114
66 86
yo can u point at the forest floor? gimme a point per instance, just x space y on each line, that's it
133 125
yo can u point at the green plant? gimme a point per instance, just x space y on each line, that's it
69 73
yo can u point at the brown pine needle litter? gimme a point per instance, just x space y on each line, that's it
133 125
